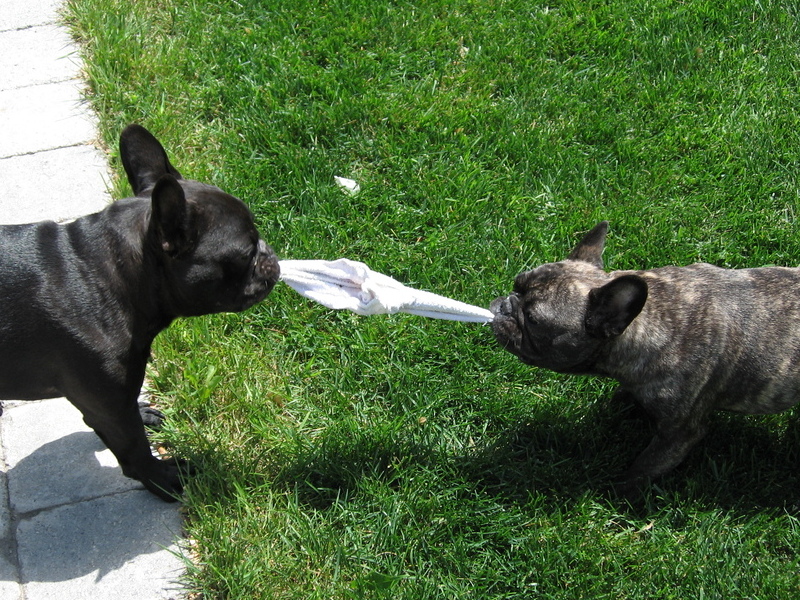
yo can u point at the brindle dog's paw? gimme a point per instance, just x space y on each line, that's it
630 490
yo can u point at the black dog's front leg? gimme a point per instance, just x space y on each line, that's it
120 427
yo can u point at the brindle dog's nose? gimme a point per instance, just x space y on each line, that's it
505 305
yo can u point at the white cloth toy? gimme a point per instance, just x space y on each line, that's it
353 285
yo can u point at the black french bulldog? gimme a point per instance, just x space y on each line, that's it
81 302
682 341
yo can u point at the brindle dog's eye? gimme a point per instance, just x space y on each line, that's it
520 281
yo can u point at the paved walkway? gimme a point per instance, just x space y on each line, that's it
71 525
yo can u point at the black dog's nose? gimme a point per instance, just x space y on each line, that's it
267 264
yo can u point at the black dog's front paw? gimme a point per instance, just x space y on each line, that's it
165 477
151 417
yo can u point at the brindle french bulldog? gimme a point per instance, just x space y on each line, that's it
682 341
81 302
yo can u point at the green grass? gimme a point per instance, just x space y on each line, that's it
398 457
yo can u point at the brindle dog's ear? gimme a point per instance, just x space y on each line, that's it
590 248
613 306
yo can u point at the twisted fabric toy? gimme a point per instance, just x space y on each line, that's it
352 285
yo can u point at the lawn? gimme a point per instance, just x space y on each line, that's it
399 457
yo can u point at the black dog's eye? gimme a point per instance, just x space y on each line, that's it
240 262
248 255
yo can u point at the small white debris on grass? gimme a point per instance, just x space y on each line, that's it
348 185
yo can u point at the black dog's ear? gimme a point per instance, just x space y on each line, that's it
170 216
613 306
144 159
590 248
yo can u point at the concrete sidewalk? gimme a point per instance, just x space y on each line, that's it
71 525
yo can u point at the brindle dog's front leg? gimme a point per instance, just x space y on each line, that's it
666 450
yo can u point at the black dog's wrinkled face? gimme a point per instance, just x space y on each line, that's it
560 314
228 267
212 256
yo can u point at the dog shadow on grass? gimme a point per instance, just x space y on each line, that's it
744 464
